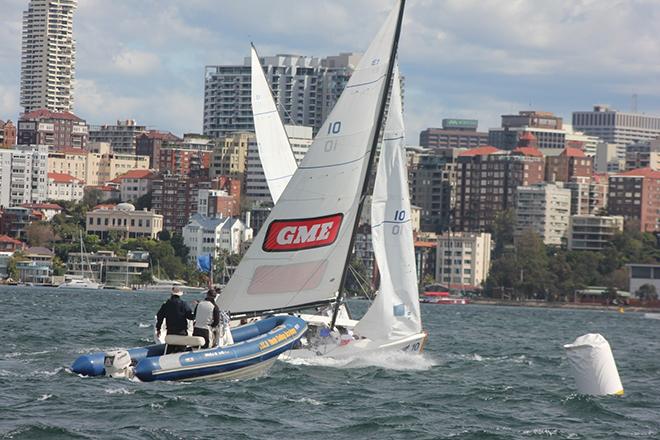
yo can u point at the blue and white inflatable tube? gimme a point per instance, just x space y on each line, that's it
254 344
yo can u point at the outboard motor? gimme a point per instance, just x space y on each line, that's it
118 364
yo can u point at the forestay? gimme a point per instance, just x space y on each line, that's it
275 151
298 255
395 311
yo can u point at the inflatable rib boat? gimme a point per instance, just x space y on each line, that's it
256 347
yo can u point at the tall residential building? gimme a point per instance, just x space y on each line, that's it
175 197
610 158
432 181
23 175
486 184
588 195
7 134
121 137
644 154
57 130
455 133
571 164
463 260
544 208
617 127
635 195
230 156
256 187
184 162
151 142
592 232
48 55
304 88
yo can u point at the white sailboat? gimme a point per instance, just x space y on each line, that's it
393 320
275 152
85 281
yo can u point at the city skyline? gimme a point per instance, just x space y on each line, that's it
460 59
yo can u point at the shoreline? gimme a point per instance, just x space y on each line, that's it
555 305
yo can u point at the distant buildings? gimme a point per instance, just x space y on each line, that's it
544 208
125 221
592 232
23 175
256 188
208 235
65 187
230 156
432 182
48 56
304 88
634 195
220 197
569 165
486 183
122 137
184 162
7 134
463 260
645 154
175 197
151 142
57 130
455 133
134 184
616 127
640 274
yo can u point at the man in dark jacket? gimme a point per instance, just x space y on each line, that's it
176 314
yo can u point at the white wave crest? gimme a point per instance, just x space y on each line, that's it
389 360
143 325
118 391
45 397
49 373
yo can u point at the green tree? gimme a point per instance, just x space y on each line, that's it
143 202
502 231
40 234
92 197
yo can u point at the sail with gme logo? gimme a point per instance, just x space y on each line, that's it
289 235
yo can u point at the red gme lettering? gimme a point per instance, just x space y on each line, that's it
289 235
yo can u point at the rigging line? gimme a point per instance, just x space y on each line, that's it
336 164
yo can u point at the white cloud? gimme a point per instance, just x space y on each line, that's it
135 62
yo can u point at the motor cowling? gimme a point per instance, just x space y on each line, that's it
118 364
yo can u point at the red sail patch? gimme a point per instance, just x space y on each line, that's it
290 235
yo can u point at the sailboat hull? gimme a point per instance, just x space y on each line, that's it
360 347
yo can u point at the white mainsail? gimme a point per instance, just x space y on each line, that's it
298 257
395 311
275 152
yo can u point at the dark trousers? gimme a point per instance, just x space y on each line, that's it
177 348
204 333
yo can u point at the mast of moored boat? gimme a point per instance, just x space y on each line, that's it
372 155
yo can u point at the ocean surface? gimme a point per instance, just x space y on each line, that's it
487 373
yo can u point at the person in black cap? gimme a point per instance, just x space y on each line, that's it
207 317
176 314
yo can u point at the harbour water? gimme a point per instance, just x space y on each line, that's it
487 373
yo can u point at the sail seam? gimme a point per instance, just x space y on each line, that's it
336 164
264 113
396 222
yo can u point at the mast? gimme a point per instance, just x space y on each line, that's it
372 155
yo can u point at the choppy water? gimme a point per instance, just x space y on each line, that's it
487 373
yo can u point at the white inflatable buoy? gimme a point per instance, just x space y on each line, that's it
593 366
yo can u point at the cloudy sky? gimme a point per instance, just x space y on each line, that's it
144 59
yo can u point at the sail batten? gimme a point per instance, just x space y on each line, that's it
328 182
